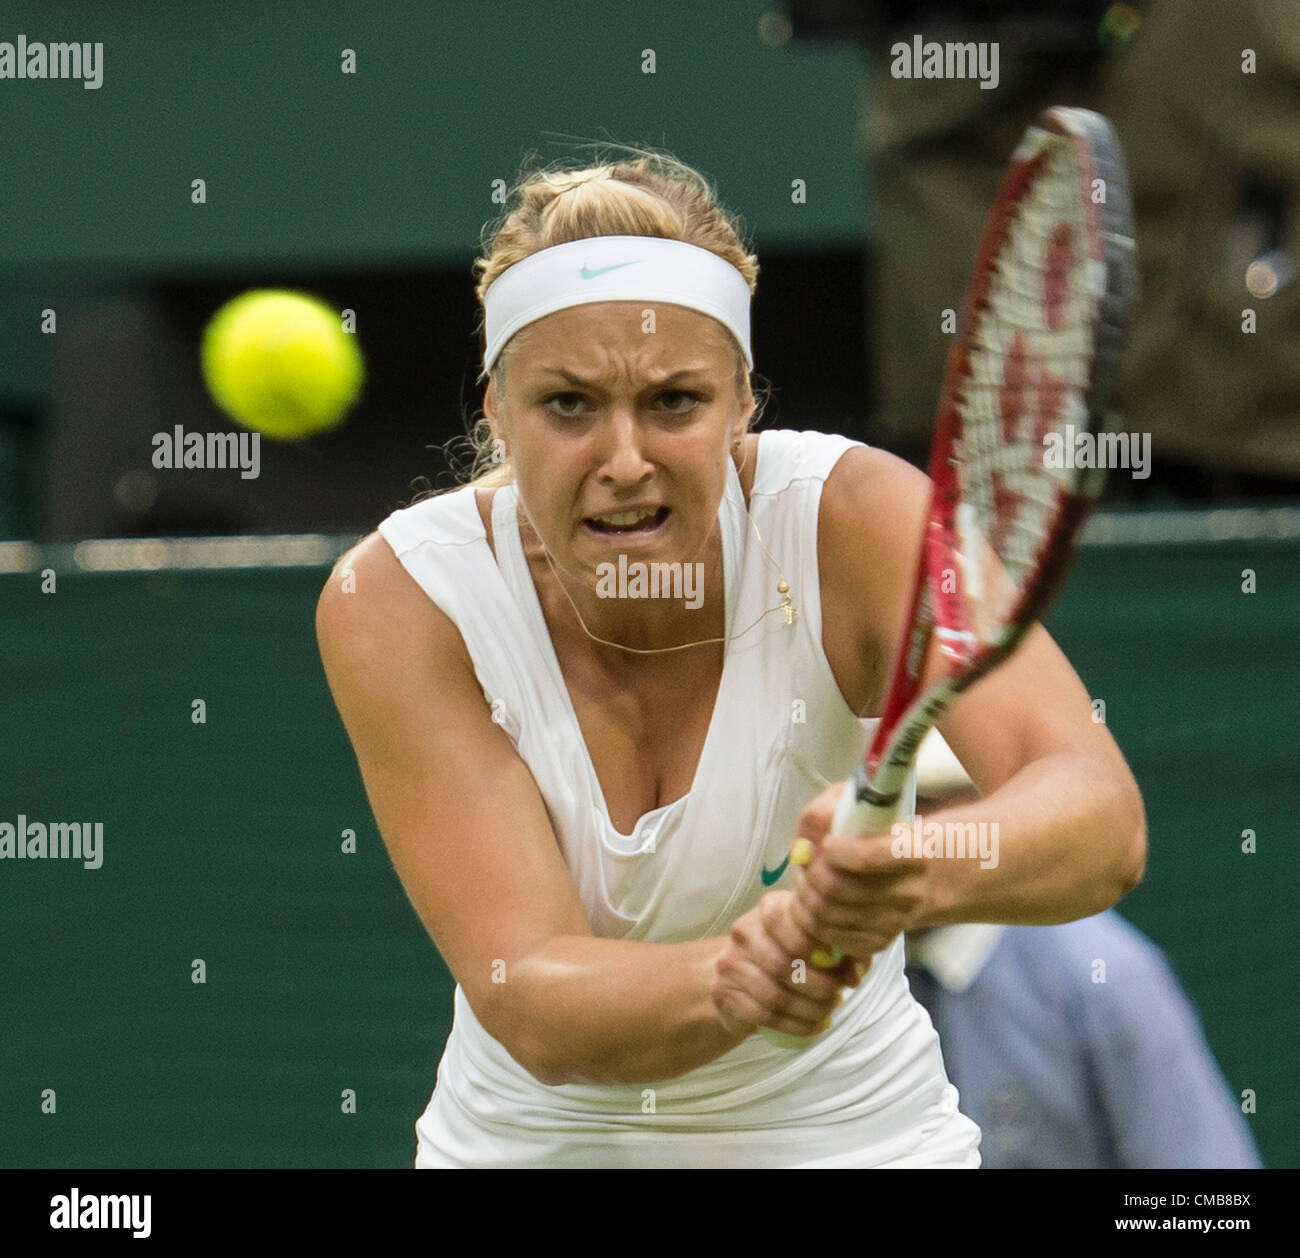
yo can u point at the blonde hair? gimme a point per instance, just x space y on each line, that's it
648 194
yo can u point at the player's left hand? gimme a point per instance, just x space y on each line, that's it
854 894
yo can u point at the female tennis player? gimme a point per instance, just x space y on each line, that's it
589 768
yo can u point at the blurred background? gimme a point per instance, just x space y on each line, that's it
225 840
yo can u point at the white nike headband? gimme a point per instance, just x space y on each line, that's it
615 268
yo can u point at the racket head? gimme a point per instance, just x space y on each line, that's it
1035 357
1027 384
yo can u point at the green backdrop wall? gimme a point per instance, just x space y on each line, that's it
223 842
306 166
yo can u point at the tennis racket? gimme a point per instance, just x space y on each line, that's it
1029 374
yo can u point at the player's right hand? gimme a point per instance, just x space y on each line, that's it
764 976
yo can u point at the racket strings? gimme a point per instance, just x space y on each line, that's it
1029 355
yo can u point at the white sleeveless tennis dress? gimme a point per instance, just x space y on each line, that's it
872 1091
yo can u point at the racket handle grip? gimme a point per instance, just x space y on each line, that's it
851 817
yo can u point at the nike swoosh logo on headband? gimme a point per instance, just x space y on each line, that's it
588 274
769 876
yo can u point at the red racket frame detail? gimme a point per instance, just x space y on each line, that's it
1108 242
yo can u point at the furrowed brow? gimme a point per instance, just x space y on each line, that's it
656 382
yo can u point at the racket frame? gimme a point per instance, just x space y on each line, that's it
871 801
872 796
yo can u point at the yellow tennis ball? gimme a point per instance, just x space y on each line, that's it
281 364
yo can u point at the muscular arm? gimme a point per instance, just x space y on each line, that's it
471 841
1071 827
1072 833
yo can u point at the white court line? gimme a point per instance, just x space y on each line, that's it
1174 528
1107 529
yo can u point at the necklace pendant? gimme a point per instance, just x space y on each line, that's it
788 608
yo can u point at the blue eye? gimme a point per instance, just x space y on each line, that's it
555 397
566 409
693 398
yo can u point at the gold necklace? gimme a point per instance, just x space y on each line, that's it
785 606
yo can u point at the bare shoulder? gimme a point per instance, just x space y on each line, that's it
866 484
371 612
870 522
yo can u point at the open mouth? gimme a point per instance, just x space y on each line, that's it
628 523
